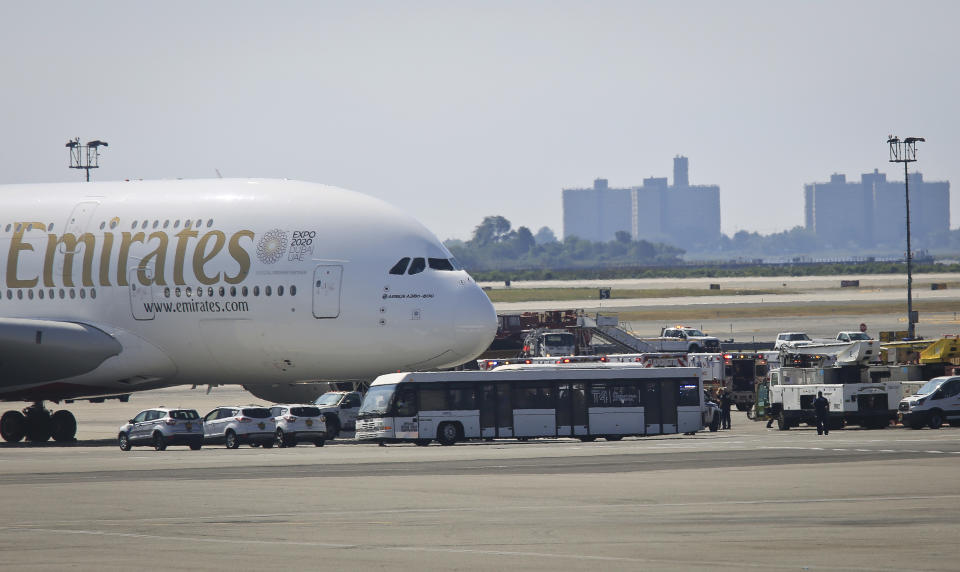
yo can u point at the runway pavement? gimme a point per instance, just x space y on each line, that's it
749 498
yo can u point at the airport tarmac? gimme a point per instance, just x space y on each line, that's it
748 498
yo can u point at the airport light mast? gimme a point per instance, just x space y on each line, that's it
905 151
85 156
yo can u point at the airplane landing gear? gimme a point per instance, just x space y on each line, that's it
38 425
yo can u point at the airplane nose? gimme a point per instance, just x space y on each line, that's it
475 322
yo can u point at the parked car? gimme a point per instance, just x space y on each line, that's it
160 427
340 410
233 425
298 422
934 404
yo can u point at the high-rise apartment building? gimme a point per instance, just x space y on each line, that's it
872 212
681 214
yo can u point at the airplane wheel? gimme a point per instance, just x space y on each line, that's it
63 426
38 426
13 426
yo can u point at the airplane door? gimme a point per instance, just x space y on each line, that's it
326 291
141 297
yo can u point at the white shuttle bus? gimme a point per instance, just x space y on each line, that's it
582 402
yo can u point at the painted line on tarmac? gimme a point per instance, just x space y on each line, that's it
441 549
607 507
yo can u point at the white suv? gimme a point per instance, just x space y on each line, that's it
162 426
240 424
299 423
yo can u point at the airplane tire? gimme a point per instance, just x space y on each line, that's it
38 427
13 426
63 426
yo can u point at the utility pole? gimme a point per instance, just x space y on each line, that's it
85 157
905 151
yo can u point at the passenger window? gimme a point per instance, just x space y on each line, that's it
417 266
440 264
215 414
140 417
401 266
407 403
433 399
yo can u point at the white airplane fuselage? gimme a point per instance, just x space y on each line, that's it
109 288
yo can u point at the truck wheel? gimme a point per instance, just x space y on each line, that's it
936 419
782 423
333 428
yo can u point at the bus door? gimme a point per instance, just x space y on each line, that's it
652 407
405 422
669 394
504 421
571 409
488 411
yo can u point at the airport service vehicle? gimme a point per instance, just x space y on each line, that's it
853 401
232 426
791 339
683 339
160 427
279 286
584 401
934 404
852 336
549 343
299 422
339 408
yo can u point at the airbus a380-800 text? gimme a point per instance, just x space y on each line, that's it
112 288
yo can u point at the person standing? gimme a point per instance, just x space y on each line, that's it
725 402
821 407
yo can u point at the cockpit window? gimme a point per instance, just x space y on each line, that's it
417 266
440 264
401 266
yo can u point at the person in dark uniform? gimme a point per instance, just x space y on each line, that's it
725 402
821 408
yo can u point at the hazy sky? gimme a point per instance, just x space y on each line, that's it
456 110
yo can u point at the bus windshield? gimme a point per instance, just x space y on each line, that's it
376 401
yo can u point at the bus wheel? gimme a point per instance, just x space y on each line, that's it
447 434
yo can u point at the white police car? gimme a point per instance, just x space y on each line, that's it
162 426
233 425
298 422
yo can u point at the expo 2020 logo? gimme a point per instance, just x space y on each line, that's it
272 246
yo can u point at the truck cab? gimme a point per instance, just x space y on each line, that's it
852 336
792 339
339 409
693 339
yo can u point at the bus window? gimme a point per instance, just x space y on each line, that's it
433 399
624 396
599 395
464 398
534 397
689 394
407 402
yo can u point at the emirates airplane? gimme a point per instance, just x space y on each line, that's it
111 288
